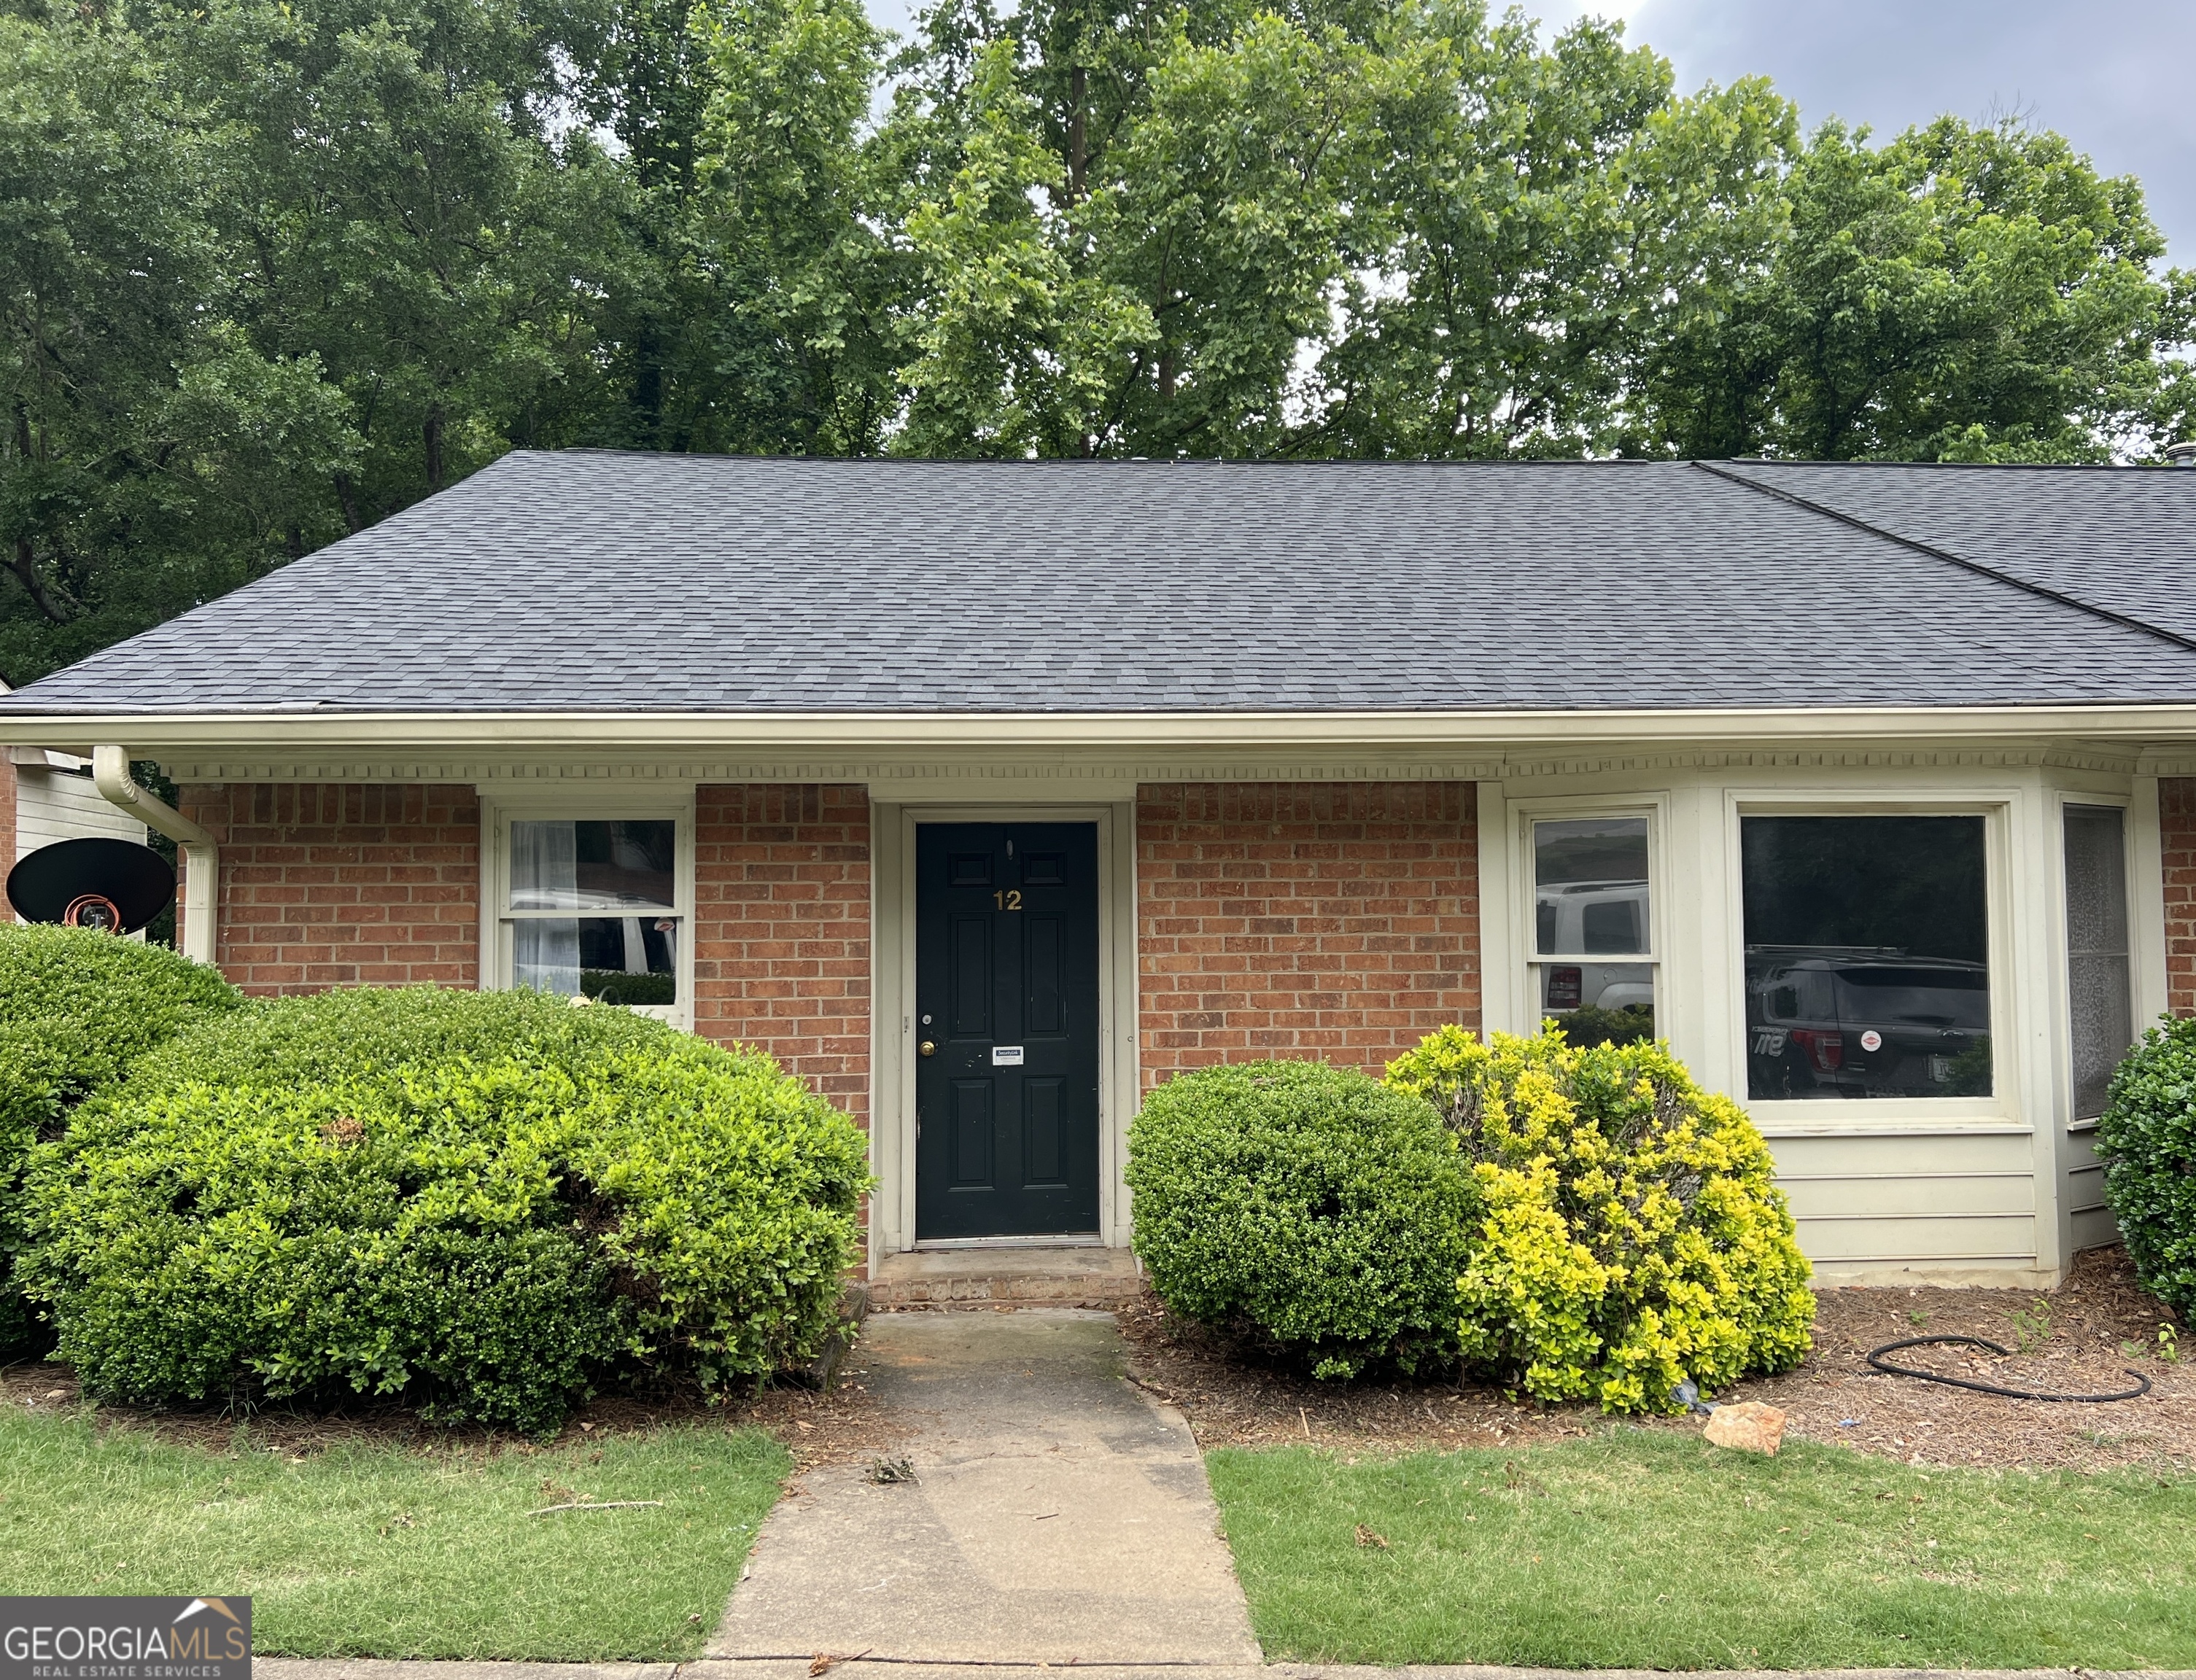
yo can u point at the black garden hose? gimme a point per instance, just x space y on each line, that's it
1876 1361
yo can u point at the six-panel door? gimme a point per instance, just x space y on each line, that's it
1006 1083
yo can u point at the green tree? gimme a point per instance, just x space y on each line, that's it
401 211
1962 292
1013 350
793 281
1527 215
152 456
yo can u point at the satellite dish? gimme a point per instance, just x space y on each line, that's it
116 884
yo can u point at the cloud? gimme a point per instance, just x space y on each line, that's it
2114 80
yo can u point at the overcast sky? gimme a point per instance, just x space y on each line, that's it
2117 76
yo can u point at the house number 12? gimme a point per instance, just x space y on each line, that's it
1008 900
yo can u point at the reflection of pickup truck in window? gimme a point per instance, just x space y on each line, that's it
1841 1021
1594 918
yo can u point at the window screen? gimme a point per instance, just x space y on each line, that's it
1867 957
2097 982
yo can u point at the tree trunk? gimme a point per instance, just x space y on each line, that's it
345 496
433 430
26 568
648 383
1077 155
25 563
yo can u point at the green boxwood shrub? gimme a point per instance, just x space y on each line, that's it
483 1204
76 1007
1309 1204
1627 1235
2147 1139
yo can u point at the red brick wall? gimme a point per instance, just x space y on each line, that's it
2176 825
782 941
345 884
1331 920
7 824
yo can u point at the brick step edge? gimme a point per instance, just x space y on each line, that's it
1105 1293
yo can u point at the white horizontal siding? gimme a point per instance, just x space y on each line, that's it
2091 1221
55 804
1911 1198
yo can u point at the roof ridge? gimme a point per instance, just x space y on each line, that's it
2124 619
1082 463
2130 467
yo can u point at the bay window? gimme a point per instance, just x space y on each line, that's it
1868 971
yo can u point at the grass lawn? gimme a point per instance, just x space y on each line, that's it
390 1552
1642 1548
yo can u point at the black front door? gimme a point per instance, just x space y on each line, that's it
1006 1027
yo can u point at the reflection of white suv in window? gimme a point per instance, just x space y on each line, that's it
1591 918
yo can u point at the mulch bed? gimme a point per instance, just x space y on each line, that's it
816 1428
1234 1397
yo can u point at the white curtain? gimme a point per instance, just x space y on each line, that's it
545 955
545 876
545 866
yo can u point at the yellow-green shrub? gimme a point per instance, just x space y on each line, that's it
1629 1235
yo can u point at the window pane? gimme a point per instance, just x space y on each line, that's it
1590 886
592 866
1598 1002
631 959
545 956
1867 957
2098 992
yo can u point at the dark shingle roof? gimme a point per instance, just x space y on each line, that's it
2124 539
598 581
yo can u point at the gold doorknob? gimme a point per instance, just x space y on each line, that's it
927 1048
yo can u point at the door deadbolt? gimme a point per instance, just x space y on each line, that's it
927 1048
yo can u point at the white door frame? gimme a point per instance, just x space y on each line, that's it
892 1016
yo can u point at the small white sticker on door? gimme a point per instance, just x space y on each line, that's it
1006 1055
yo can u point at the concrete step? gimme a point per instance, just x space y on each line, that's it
975 1279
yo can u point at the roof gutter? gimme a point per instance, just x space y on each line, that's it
110 774
660 734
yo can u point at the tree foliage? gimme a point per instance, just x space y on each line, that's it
271 270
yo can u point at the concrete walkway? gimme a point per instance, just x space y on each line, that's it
1059 1515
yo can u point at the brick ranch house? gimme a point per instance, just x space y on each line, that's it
986 796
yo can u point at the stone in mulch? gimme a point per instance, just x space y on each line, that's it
1234 1397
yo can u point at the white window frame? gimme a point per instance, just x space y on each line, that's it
1525 897
500 809
2008 963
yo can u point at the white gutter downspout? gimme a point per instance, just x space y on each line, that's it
110 774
